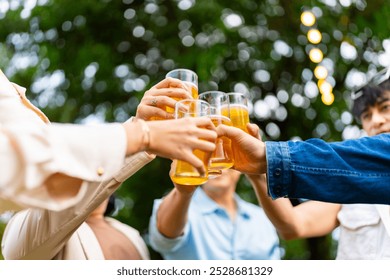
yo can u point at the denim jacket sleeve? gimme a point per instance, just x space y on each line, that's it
352 171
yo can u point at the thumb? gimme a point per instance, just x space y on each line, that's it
253 130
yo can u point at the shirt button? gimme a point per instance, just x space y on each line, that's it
100 171
278 189
277 172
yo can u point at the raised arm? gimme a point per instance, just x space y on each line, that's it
173 211
308 219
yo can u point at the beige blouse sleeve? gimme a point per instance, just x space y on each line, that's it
32 150
42 234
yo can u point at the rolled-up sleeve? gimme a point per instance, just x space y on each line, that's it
159 242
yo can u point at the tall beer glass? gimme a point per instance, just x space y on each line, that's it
185 173
189 78
222 157
238 108
239 115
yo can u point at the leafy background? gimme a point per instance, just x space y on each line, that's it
92 61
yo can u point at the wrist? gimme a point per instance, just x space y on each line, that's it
138 136
185 191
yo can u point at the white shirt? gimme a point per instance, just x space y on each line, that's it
363 234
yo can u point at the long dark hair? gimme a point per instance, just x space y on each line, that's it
111 206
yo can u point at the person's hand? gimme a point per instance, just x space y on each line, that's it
162 95
176 139
249 150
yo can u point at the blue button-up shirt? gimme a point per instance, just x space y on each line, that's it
211 235
352 171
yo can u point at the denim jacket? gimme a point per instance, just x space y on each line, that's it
352 171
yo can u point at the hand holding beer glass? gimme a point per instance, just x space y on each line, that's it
222 157
184 173
189 80
187 76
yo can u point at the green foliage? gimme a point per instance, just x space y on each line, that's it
102 55
2 227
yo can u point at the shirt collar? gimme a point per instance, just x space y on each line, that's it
206 205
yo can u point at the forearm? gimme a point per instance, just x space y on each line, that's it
173 212
353 171
280 212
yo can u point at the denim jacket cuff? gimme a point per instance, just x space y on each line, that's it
278 168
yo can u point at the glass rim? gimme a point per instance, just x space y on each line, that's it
182 103
212 91
191 100
375 80
182 69
237 93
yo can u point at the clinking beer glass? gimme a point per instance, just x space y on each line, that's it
222 157
184 173
239 115
189 78
238 108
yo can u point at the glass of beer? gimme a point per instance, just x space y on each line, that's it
239 115
189 78
184 173
222 157
238 108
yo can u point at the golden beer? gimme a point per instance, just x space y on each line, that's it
186 174
222 157
239 116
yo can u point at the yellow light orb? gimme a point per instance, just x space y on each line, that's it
308 18
316 55
325 87
327 99
320 72
314 36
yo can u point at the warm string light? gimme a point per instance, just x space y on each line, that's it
314 37
308 18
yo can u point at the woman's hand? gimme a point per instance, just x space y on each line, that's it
162 95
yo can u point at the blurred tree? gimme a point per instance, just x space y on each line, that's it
92 61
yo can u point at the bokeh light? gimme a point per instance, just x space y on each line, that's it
314 36
320 72
308 18
316 55
327 98
325 87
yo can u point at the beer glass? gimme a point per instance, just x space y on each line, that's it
239 115
222 157
184 173
238 108
189 78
